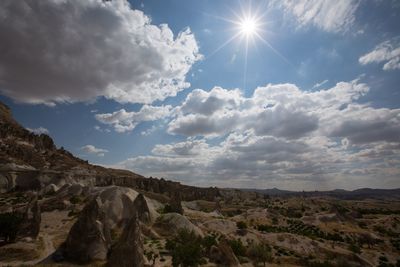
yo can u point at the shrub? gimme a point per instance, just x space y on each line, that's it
209 241
354 248
260 253
186 249
241 225
170 208
9 225
237 247
75 200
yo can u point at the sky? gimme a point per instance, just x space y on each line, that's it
299 95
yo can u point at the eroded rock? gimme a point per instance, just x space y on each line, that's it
128 251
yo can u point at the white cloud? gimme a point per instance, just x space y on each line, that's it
330 16
90 149
39 130
388 52
98 128
281 110
149 131
317 85
280 136
79 50
182 149
124 121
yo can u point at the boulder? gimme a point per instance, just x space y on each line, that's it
170 224
128 251
223 254
119 206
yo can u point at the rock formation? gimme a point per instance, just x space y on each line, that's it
170 224
112 209
89 238
223 254
30 226
141 209
128 251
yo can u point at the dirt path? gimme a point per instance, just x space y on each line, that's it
48 249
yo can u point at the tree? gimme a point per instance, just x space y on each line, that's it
237 247
260 253
9 225
186 249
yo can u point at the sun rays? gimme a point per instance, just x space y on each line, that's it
248 27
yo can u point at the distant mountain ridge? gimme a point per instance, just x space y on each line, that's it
361 193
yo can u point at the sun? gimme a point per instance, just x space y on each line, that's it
248 26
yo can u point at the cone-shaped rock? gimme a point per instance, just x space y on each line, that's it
128 251
89 238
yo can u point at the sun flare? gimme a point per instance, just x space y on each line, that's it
248 26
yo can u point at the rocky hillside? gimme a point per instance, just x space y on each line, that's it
30 162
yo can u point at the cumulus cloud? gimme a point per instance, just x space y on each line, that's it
387 52
281 110
188 148
279 136
90 149
39 130
364 125
330 16
123 120
70 51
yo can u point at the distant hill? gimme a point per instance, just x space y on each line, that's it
361 193
29 161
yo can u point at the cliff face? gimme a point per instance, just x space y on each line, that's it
30 162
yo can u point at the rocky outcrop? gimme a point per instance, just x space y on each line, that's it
111 210
170 224
121 203
223 254
141 209
30 225
160 186
175 203
128 251
221 226
89 238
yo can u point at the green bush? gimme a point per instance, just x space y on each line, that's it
241 225
209 241
168 208
238 248
75 200
260 253
186 249
9 225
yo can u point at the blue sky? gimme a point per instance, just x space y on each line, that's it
155 87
